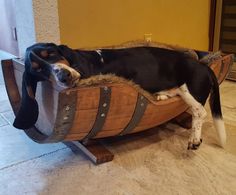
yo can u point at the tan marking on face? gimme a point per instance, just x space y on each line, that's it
44 53
34 65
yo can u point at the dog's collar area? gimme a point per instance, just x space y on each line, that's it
99 52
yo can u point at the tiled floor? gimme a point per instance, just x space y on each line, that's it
30 168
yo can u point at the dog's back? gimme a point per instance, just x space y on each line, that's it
154 69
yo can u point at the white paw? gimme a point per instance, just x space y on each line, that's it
161 97
193 144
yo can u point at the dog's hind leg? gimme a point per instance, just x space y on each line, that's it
198 115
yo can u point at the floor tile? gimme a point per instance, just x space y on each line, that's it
3 122
5 106
16 147
3 93
1 77
9 116
4 55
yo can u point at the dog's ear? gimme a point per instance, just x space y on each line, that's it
28 111
36 69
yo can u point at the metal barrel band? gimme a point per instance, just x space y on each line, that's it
140 108
64 119
66 113
103 108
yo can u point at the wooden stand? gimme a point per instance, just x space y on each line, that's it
94 150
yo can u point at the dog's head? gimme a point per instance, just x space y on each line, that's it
43 61
47 61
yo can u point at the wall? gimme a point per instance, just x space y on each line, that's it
46 21
86 23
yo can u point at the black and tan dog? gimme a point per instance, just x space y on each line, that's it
154 69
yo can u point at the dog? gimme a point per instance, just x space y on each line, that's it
154 69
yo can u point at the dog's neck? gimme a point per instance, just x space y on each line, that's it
88 63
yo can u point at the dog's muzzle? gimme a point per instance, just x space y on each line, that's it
65 75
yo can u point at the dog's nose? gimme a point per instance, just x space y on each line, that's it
64 75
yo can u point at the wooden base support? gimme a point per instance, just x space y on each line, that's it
95 151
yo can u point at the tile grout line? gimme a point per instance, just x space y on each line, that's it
8 121
21 162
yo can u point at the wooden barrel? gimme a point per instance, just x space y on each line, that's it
85 113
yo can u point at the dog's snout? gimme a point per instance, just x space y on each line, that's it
63 75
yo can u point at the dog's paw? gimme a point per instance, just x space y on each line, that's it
194 144
161 97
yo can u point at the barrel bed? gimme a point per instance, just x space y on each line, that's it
105 110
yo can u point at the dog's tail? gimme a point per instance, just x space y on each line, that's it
216 112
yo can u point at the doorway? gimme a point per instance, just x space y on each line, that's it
8 33
223 29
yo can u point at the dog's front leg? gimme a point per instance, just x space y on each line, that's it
198 115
